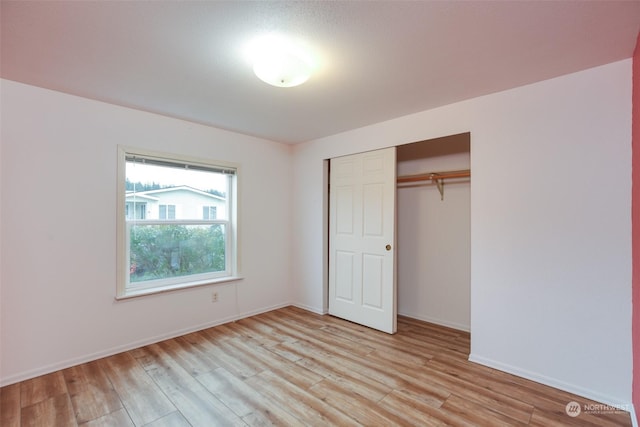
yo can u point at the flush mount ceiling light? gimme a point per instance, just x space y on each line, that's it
280 61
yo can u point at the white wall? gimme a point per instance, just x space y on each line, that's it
58 265
433 235
550 224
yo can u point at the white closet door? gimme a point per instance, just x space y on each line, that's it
362 276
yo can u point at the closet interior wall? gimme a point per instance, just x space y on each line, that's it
434 266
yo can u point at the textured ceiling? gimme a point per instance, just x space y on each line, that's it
379 60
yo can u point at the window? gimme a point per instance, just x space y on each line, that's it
168 212
135 210
209 212
176 222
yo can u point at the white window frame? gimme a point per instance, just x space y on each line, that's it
126 290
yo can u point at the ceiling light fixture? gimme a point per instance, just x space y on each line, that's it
280 61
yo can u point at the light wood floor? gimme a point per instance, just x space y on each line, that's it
290 367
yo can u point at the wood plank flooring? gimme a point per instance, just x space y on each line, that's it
290 367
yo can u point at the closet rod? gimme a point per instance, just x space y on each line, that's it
435 176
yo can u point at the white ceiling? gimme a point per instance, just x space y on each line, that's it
380 60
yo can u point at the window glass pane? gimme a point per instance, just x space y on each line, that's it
163 192
165 251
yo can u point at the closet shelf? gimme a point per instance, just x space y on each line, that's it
436 178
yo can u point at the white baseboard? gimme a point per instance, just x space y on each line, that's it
448 324
309 308
260 311
129 346
552 382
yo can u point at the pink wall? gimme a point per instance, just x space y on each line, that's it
635 217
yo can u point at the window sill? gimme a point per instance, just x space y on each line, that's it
162 289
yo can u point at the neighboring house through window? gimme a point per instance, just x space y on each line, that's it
176 224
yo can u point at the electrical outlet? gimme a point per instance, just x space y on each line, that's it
214 297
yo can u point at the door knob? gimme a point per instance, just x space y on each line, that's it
388 247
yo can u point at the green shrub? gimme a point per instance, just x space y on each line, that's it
162 251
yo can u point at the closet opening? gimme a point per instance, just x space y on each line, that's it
433 231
